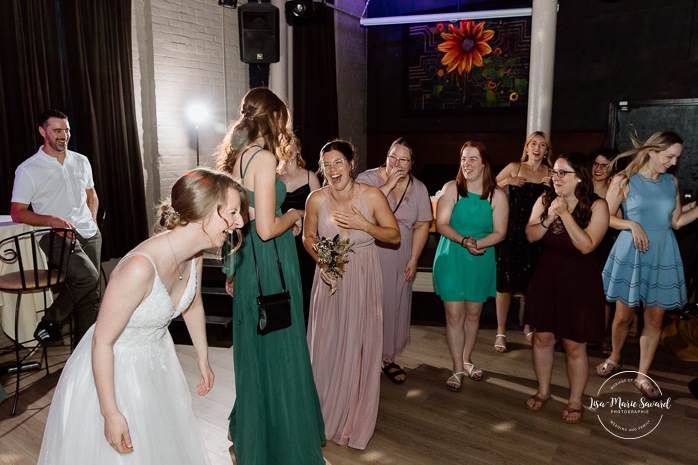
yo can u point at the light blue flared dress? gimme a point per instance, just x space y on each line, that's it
654 278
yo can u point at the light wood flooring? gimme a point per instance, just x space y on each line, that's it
422 423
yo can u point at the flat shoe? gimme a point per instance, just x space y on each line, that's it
571 411
529 337
536 400
392 371
607 368
473 372
501 348
647 389
453 387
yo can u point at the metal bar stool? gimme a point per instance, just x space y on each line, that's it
23 250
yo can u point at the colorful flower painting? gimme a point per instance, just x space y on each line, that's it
465 46
468 65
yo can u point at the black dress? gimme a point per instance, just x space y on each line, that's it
516 257
296 199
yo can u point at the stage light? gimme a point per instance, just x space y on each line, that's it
228 3
198 114
304 8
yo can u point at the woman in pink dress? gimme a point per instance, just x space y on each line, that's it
409 200
345 330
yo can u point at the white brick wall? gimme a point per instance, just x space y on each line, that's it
188 50
184 51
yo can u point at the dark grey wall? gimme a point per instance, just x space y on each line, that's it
605 52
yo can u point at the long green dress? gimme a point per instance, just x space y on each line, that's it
276 418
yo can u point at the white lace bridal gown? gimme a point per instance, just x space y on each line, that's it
151 393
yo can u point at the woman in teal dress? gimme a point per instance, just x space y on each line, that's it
471 217
276 418
645 266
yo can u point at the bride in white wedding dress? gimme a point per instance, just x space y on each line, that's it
122 397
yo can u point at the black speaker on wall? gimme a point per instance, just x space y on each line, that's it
259 33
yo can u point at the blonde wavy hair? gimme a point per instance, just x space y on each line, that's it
548 160
657 142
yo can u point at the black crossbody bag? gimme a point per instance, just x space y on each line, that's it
274 309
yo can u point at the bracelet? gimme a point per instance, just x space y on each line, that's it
542 223
462 242
476 247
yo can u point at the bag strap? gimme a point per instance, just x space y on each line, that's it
409 181
254 253
256 268
242 175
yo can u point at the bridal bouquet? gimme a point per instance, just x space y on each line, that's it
335 254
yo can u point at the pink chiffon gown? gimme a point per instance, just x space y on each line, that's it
345 338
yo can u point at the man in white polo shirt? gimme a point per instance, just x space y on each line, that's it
58 185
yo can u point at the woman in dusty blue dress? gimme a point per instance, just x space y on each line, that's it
471 217
276 418
645 265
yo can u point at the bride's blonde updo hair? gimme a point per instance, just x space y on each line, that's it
195 196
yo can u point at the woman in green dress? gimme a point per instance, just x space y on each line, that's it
276 418
471 217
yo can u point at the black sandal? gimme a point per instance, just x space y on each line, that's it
396 371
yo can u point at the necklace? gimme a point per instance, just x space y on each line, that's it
175 257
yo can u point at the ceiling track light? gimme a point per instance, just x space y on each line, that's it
446 17
300 9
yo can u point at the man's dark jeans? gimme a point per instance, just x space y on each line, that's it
82 279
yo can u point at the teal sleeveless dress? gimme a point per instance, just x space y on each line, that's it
276 418
459 275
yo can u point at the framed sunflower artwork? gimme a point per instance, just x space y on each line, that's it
467 66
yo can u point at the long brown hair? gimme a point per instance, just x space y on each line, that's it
489 183
262 114
584 192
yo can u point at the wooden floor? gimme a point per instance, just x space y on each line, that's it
422 423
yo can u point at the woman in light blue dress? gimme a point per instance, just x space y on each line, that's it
645 266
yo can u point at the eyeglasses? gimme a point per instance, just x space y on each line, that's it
401 161
336 163
603 166
559 173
